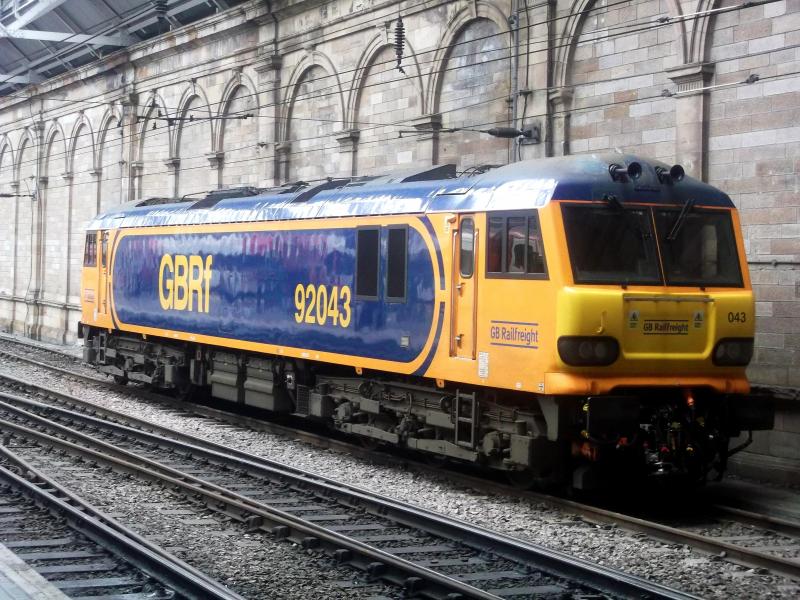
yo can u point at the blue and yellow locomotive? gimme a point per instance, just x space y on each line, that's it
547 318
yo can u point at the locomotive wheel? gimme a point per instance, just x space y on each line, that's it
185 391
522 480
121 379
369 443
437 460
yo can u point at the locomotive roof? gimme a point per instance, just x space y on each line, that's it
522 185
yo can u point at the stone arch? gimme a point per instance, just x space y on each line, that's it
616 105
379 98
309 149
365 64
154 170
239 80
191 93
7 227
460 21
470 88
304 65
75 142
112 117
27 157
700 37
154 104
28 139
574 25
111 190
83 200
55 210
235 147
49 140
7 152
193 141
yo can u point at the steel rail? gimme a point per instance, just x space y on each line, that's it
103 530
557 563
376 562
785 526
732 552
55 368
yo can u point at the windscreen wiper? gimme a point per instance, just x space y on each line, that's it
676 227
631 222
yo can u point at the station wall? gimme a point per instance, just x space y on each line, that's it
312 90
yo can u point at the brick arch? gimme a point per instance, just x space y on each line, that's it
460 21
365 64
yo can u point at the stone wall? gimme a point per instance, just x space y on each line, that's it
237 100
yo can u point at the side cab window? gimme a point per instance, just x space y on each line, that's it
90 250
466 257
515 248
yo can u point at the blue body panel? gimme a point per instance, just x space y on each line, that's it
252 290
522 185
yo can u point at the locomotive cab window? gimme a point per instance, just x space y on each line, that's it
90 250
611 245
698 248
466 258
651 246
514 247
104 250
396 258
367 262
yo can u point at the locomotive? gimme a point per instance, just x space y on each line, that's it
558 319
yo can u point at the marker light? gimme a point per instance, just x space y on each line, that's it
579 351
733 352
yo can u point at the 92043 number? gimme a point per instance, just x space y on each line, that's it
737 317
319 304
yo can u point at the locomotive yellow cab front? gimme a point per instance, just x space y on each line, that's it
663 338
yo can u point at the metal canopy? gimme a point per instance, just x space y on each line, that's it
40 39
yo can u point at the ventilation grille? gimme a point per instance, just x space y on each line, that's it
302 400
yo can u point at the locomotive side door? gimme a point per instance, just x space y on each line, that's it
102 274
464 290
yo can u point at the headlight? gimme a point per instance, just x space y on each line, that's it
579 351
733 352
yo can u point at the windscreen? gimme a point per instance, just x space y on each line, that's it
699 248
608 245
616 244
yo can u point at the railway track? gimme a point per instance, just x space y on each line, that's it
745 537
83 553
425 554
